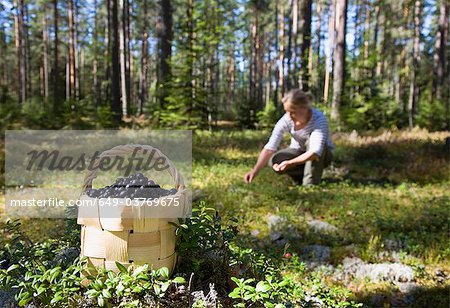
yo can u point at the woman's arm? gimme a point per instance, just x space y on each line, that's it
301 159
271 146
263 158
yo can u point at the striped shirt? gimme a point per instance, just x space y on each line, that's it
316 131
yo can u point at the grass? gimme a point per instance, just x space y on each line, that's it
381 186
391 186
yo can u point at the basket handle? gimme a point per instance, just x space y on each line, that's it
126 149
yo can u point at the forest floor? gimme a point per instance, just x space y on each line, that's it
378 224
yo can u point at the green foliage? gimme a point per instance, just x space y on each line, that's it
371 112
203 246
129 287
37 274
81 114
289 290
269 116
432 114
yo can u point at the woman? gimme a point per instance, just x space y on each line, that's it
311 147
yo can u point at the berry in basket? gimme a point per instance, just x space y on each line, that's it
133 186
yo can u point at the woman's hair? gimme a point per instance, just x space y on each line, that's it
298 98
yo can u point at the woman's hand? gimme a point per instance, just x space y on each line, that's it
282 166
249 176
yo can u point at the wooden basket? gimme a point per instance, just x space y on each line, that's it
131 237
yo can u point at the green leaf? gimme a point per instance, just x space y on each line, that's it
12 267
106 293
138 270
164 272
165 286
56 299
179 280
157 289
25 301
121 267
248 296
101 301
40 290
262 286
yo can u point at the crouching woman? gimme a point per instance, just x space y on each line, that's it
311 147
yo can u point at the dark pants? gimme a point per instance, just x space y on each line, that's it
309 173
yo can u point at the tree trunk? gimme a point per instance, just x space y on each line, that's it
166 36
267 73
46 48
366 38
231 76
3 48
281 52
294 38
28 81
123 83
75 54
23 57
70 91
403 76
306 42
128 54
260 66
289 47
144 62
275 92
18 51
329 50
95 89
414 89
55 58
339 58
378 53
439 51
107 52
115 82
318 35
252 71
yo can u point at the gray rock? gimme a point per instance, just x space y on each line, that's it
377 300
197 195
353 137
350 266
274 221
316 253
407 287
322 226
385 272
393 244
275 236
378 271
7 300
67 256
255 232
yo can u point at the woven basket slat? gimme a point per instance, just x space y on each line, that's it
134 236
117 224
168 240
94 243
89 215
116 246
168 262
144 246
